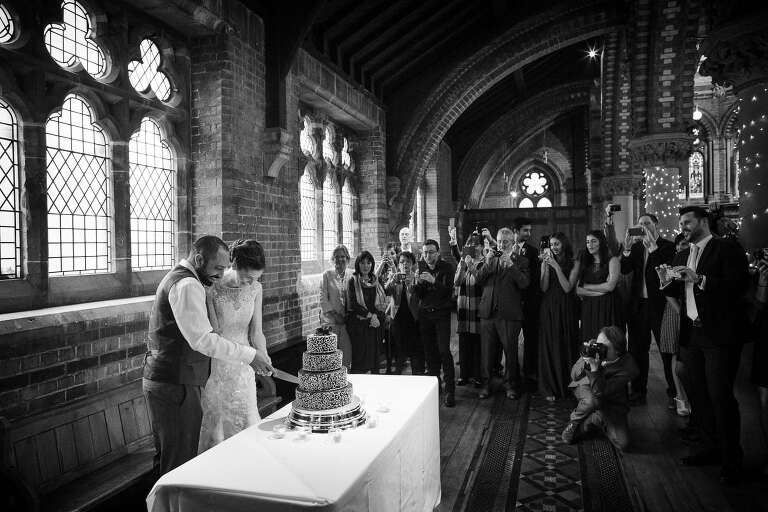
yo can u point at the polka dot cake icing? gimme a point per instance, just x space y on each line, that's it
318 381
323 400
321 362
320 344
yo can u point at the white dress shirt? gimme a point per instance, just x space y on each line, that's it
187 299
693 262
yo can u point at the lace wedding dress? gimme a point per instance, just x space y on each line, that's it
229 397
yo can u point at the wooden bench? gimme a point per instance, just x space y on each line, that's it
73 458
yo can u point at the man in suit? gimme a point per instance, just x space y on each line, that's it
503 277
180 345
404 314
521 227
709 280
434 287
640 257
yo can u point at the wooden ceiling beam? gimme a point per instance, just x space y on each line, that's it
372 28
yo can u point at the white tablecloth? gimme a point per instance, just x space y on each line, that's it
392 467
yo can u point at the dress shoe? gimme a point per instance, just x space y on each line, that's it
475 382
708 458
671 403
484 393
450 400
512 394
461 382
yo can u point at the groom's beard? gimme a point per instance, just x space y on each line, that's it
204 279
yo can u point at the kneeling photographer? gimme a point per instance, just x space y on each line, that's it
599 381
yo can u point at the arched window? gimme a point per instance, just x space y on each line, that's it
79 191
347 217
330 217
71 43
416 226
10 198
696 176
145 75
535 190
308 218
153 199
7 26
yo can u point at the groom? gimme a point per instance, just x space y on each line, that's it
181 343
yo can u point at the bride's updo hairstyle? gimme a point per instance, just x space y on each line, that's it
247 255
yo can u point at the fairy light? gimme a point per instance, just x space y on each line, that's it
752 141
661 190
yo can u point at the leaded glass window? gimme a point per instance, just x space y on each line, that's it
696 176
535 190
10 199
420 231
346 158
330 216
308 218
146 76
79 191
153 199
7 25
347 217
71 42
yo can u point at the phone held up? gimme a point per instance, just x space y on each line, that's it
614 208
636 232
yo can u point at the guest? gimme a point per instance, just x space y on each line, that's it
366 303
760 357
600 386
709 280
388 262
333 299
559 333
669 342
598 274
404 314
467 302
641 255
503 276
624 286
521 227
405 240
434 287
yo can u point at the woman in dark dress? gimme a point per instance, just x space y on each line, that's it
558 318
366 303
598 273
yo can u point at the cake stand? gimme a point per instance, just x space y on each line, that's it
341 418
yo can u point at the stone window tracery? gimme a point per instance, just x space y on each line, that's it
145 75
7 26
346 158
153 198
79 191
535 190
330 216
10 195
71 43
308 217
347 217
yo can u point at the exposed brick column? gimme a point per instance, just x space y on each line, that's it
374 214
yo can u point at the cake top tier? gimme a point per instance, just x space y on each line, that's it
321 343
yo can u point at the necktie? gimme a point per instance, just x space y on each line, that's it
690 300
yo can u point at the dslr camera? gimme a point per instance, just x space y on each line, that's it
594 349
474 240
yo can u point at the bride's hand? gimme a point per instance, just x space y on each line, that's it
262 364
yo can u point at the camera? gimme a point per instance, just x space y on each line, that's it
614 207
636 232
594 349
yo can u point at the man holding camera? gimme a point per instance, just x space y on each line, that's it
644 250
599 382
503 277
709 279
435 290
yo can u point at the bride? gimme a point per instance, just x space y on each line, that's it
234 308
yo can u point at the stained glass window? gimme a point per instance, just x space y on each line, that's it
526 203
330 217
696 176
79 191
10 200
347 218
145 75
153 199
308 218
420 217
71 42
7 25
544 203
535 190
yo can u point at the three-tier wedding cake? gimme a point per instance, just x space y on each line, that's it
324 398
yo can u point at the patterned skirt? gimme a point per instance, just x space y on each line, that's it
670 331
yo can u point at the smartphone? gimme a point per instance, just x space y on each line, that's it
636 232
547 252
544 243
615 207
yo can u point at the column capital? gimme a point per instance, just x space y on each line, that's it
620 185
661 149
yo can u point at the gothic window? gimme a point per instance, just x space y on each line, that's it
347 217
306 141
308 218
145 75
10 199
7 26
329 152
696 176
346 158
79 191
330 216
416 226
153 198
71 43
535 190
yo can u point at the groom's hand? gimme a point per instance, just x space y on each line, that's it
261 364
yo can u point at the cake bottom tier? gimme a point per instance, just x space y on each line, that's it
322 400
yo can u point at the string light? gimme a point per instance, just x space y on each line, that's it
752 138
661 192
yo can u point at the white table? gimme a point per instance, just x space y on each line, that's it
392 467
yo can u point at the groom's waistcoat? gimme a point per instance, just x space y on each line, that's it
170 358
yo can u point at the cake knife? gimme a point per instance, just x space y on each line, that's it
280 374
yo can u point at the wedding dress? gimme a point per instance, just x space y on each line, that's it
229 397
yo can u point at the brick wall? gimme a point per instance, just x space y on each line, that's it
57 356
